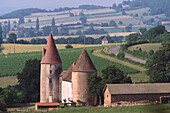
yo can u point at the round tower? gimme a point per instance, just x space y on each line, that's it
80 75
51 68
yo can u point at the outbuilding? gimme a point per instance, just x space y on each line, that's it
115 93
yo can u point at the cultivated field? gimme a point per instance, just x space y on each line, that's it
20 48
14 63
146 47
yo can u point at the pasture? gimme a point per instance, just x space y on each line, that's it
8 80
146 47
153 108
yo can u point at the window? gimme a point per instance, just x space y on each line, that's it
50 80
50 71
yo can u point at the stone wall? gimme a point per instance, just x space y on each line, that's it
107 98
49 82
80 86
137 97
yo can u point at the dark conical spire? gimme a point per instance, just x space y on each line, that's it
84 63
50 53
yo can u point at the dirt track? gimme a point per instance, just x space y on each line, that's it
115 50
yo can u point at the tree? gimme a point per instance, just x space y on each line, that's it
37 25
29 81
159 69
1 35
64 31
55 30
12 38
83 20
143 32
95 85
128 28
121 56
113 23
113 75
71 14
114 6
133 37
154 32
79 32
21 20
124 13
53 22
120 22
9 26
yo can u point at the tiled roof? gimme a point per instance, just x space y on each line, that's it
50 53
84 63
104 39
150 88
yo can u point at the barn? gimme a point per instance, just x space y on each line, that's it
135 92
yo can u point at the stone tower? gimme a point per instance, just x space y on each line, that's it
51 67
80 74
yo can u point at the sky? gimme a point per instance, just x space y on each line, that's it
7 6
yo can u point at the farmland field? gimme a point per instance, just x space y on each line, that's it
20 48
14 63
146 47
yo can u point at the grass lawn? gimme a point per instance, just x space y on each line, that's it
156 108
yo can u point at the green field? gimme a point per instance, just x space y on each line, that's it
8 80
15 62
156 108
146 47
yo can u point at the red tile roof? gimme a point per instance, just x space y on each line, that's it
48 104
84 63
104 39
50 53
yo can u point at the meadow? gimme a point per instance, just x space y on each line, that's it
146 47
14 63
153 108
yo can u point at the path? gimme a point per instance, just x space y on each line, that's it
98 53
115 50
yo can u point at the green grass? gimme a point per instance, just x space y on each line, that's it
156 108
146 47
8 80
139 77
15 62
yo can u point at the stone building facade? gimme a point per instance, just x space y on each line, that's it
57 85
135 92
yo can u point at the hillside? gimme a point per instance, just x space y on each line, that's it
125 17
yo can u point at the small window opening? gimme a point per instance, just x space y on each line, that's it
50 80
50 71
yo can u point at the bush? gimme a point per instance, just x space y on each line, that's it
68 46
121 56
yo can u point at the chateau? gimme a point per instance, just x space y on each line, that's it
57 85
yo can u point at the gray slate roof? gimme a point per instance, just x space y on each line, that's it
138 88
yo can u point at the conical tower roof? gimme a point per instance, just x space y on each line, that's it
84 63
50 53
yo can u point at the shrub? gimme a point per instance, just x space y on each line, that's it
68 46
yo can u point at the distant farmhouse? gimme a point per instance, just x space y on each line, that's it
71 85
105 41
114 93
